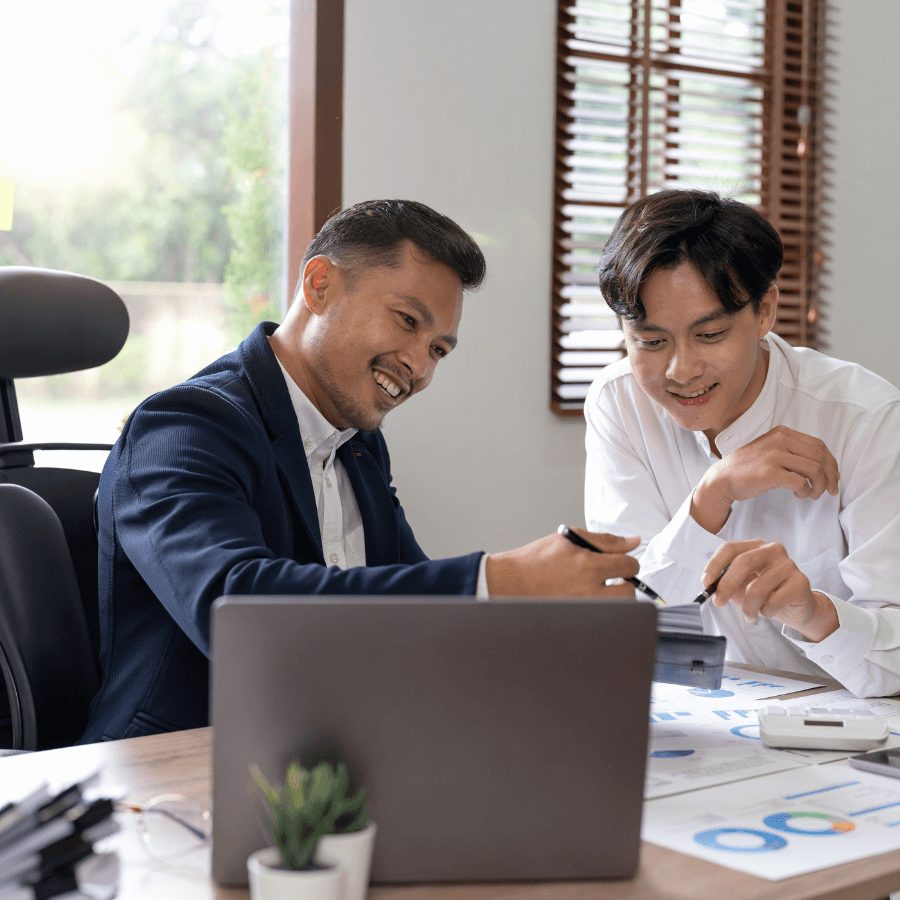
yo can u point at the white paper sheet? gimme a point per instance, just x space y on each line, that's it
694 745
781 825
738 687
700 738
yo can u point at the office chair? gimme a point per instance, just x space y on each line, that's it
46 657
51 323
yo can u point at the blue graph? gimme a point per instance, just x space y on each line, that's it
735 840
671 754
668 716
740 731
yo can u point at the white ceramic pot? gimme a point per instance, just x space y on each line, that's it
267 882
352 853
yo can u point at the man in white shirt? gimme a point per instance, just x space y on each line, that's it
740 458
267 472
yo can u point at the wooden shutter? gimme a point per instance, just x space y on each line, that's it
716 94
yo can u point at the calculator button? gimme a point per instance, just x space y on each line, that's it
775 711
819 711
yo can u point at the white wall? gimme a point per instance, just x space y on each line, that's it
864 299
451 102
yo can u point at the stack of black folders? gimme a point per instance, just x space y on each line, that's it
47 845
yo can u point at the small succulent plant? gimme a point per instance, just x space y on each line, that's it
310 804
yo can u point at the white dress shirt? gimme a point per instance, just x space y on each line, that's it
642 468
340 522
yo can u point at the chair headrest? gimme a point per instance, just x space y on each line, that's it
53 322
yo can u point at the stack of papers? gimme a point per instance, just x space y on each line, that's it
47 843
683 619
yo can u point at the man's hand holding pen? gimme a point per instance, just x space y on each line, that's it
554 566
762 580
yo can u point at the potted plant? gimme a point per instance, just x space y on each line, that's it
322 836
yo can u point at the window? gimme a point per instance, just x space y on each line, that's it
715 94
146 147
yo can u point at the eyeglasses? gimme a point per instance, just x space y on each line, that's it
170 825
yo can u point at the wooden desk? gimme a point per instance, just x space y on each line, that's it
140 768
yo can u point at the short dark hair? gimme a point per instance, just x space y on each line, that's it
369 234
735 249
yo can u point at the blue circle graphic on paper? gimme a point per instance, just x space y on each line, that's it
723 839
709 692
739 731
789 822
670 754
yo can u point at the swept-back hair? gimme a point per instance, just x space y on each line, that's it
369 234
732 246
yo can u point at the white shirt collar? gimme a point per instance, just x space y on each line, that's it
320 438
760 417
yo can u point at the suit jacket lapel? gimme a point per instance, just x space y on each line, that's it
278 413
376 506
294 472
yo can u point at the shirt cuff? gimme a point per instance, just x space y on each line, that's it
673 561
481 587
844 650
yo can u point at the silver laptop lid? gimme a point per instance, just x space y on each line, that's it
498 741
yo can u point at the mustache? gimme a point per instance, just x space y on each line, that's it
398 374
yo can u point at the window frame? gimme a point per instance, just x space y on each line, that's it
793 184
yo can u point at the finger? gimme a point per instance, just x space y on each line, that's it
754 576
788 589
814 471
610 543
724 557
832 474
816 450
734 582
616 565
623 591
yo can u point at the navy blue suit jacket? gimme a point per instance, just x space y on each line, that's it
207 492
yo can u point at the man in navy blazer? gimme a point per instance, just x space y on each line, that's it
214 487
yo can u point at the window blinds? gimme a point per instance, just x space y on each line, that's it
716 94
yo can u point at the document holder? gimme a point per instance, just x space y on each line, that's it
695 660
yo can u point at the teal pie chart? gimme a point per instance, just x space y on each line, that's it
811 824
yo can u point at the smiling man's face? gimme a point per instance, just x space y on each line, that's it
374 340
704 365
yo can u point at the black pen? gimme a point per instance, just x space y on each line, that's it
707 592
579 541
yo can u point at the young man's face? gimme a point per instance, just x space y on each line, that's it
705 366
372 343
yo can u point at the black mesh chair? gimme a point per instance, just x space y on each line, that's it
50 323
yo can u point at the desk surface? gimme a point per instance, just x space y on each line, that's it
141 768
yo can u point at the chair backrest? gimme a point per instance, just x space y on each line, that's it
50 323
46 656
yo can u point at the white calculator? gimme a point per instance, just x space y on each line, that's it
819 728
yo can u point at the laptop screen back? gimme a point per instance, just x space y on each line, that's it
498 741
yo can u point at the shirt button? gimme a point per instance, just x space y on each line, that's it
307 444
828 659
333 557
328 482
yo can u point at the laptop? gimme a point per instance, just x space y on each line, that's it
498 741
